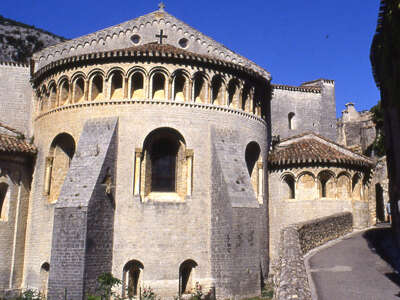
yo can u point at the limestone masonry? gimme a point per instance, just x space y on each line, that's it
153 152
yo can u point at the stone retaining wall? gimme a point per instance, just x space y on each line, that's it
290 280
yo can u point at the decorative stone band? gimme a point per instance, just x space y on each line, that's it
13 64
157 102
305 89
290 279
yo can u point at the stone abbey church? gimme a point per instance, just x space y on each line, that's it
151 151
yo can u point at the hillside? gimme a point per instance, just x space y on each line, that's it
19 41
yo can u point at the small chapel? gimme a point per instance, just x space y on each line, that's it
151 151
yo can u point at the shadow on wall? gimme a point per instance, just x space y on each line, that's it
381 241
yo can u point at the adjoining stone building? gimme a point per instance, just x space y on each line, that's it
312 177
149 149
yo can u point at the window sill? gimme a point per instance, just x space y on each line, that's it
163 197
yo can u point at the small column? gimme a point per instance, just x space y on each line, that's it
85 90
136 184
189 177
189 91
47 176
260 192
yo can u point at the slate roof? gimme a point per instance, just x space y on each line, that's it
14 144
312 148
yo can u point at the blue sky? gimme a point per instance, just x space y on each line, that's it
295 40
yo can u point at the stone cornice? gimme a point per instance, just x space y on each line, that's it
13 64
305 89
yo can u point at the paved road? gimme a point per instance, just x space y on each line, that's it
356 268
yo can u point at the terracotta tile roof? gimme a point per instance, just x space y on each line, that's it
13 144
312 148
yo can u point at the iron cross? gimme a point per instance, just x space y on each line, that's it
161 36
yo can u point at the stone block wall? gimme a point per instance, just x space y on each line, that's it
314 107
16 173
15 97
291 280
84 216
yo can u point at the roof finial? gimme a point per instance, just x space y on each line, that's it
161 6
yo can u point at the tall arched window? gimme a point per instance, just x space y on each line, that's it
53 95
291 120
64 92
131 278
186 276
252 156
61 152
158 91
96 88
116 91
245 98
3 201
137 86
217 93
233 93
165 162
199 89
356 187
343 186
289 187
180 87
78 90
44 99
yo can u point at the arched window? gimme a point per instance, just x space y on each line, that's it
61 152
131 278
180 87
291 120
137 86
289 187
78 90
3 201
165 162
97 88
246 98
356 187
64 92
199 89
158 91
252 156
116 91
343 186
306 187
326 184
233 93
217 93
43 99
186 276
44 278
53 95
